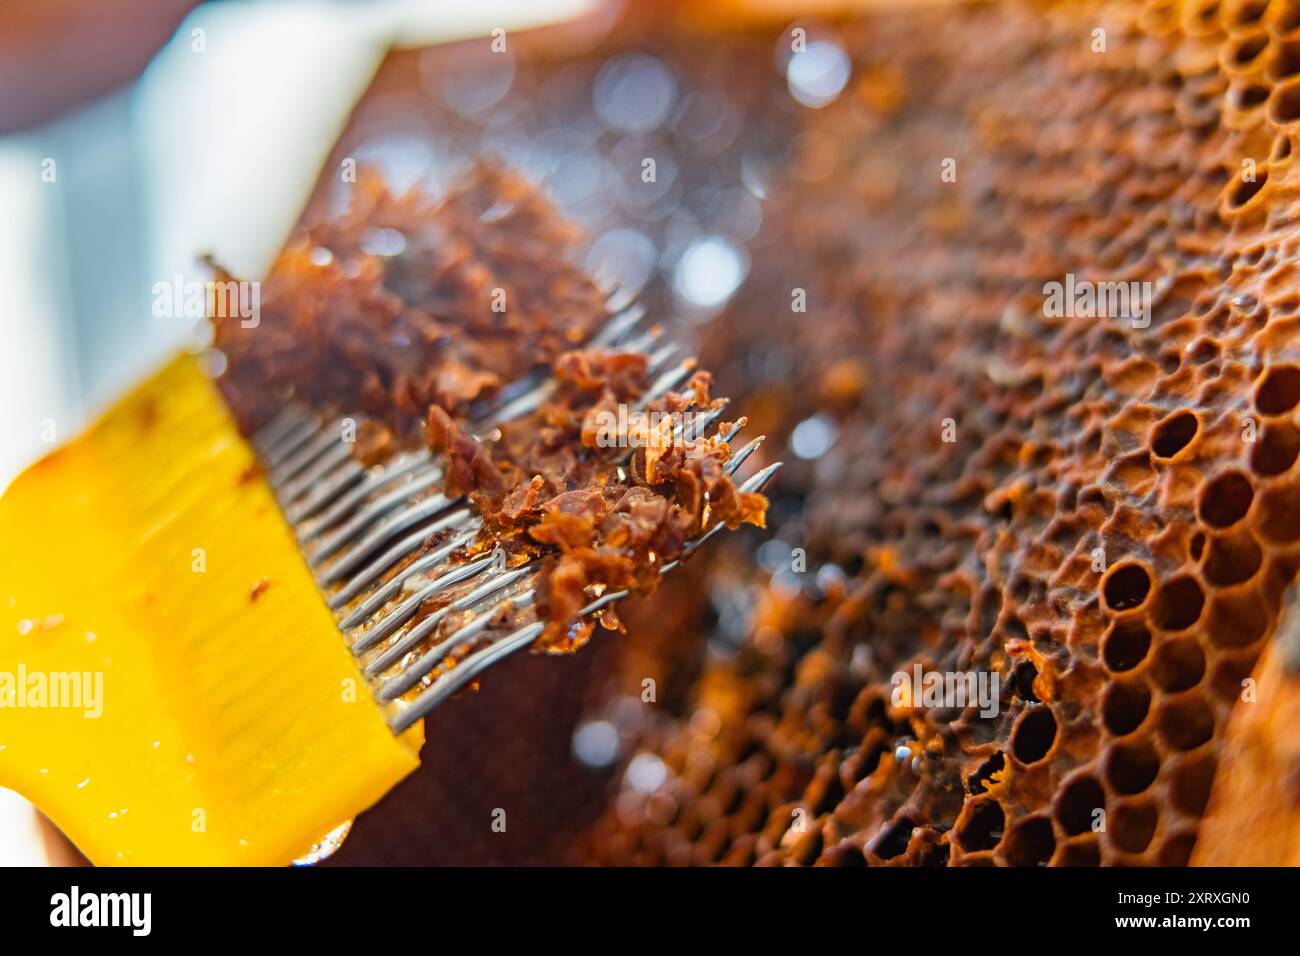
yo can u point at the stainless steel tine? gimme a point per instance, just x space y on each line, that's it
372 511
270 434
462 519
447 684
388 527
290 442
399 469
665 382
390 589
415 635
755 483
407 609
308 452
328 490
409 676
623 320
332 459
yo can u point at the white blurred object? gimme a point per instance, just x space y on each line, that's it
215 150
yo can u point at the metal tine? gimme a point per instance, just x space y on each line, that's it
306 454
367 515
290 442
332 458
401 682
410 676
407 608
463 519
754 483
399 468
391 589
386 528
516 408
415 635
447 684
329 489
270 434
732 466
520 405
664 384
622 322
643 342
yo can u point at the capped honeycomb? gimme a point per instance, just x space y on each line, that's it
1102 508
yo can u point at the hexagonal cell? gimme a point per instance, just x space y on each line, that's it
1125 586
1237 618
1226 499
1278 391
1124 706
1125 646
1034 734
1276 449
1279 514
1232 559
1029 842
982 827
1173 434
1178 664
1178 604
1190 780
1185 722
1077 804
1132 825
1130 767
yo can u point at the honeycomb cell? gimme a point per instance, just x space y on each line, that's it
1077 804
1173 434
1178 604
1030 842
1279 518
1124 706
1132 825
1278 391
1125 646
982 827
1231 559
1276 449
1189 784
1242 51
1226 499
1131 767
1126 586
1034 734
1178 664
1184 722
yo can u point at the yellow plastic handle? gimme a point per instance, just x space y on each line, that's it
173 689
